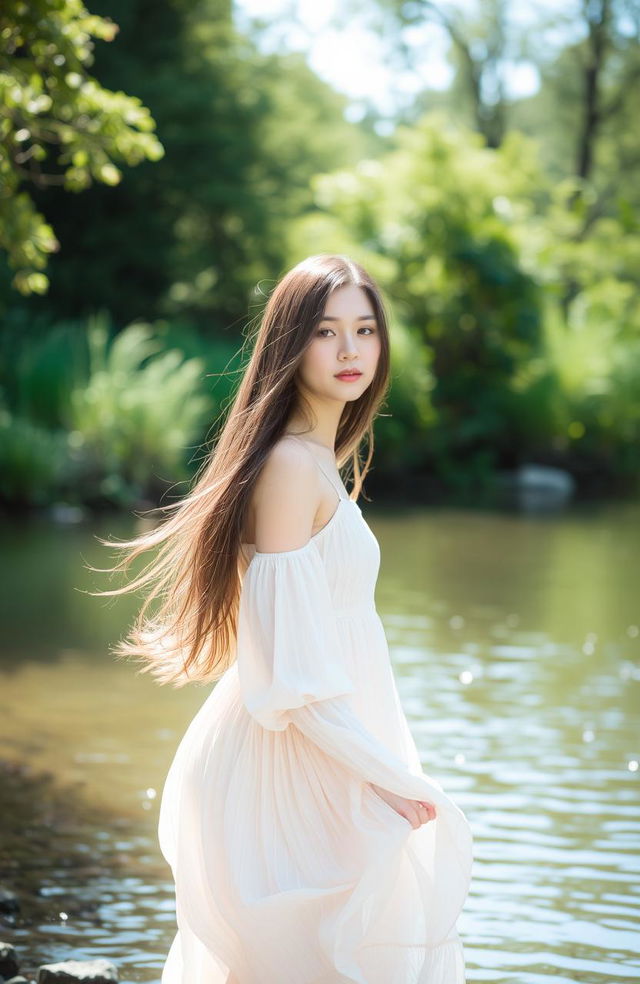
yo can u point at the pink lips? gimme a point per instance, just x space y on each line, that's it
348 377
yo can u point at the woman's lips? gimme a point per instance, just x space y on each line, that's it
349 377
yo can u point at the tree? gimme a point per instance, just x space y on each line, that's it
588 102
481 44
58 126
431 220
188 238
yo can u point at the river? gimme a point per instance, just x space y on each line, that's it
515 640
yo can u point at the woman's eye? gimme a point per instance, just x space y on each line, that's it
364 328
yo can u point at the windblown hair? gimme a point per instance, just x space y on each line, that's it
195 574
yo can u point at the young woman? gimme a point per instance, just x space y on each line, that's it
306 843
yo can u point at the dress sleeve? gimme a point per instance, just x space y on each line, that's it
292 670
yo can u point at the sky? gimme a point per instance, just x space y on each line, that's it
352 58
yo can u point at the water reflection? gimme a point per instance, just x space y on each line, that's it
516 645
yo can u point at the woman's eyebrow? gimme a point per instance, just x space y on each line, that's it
363 317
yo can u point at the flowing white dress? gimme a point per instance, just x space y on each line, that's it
289 868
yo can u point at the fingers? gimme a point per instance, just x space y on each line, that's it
425 812
431 810
421 814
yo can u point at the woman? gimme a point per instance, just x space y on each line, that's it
306 843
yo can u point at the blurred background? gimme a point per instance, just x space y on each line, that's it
162 164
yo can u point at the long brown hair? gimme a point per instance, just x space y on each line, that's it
196 572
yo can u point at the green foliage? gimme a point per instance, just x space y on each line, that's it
132 420
47 101
428 218
513 284
189 237
401 427
32 461
475 246
99 419
39 367
597 365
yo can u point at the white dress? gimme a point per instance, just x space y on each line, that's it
289 868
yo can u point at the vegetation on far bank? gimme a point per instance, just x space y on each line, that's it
509 254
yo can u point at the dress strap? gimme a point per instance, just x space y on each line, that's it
326 474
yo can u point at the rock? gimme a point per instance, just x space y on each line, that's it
537 487
98 971
66 514
543 487
8 960
545 477
9 901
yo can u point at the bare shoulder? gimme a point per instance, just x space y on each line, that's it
289 470
285 498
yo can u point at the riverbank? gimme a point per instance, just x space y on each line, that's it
58 853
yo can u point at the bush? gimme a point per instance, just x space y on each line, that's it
32 462
132 420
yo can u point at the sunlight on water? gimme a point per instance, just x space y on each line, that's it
516 646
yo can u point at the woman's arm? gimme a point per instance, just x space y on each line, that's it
291 666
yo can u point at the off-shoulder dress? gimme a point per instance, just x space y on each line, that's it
289 868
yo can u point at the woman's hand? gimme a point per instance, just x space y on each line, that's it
416 812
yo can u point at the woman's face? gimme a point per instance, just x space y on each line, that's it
347 338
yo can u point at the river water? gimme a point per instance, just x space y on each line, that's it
515 640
